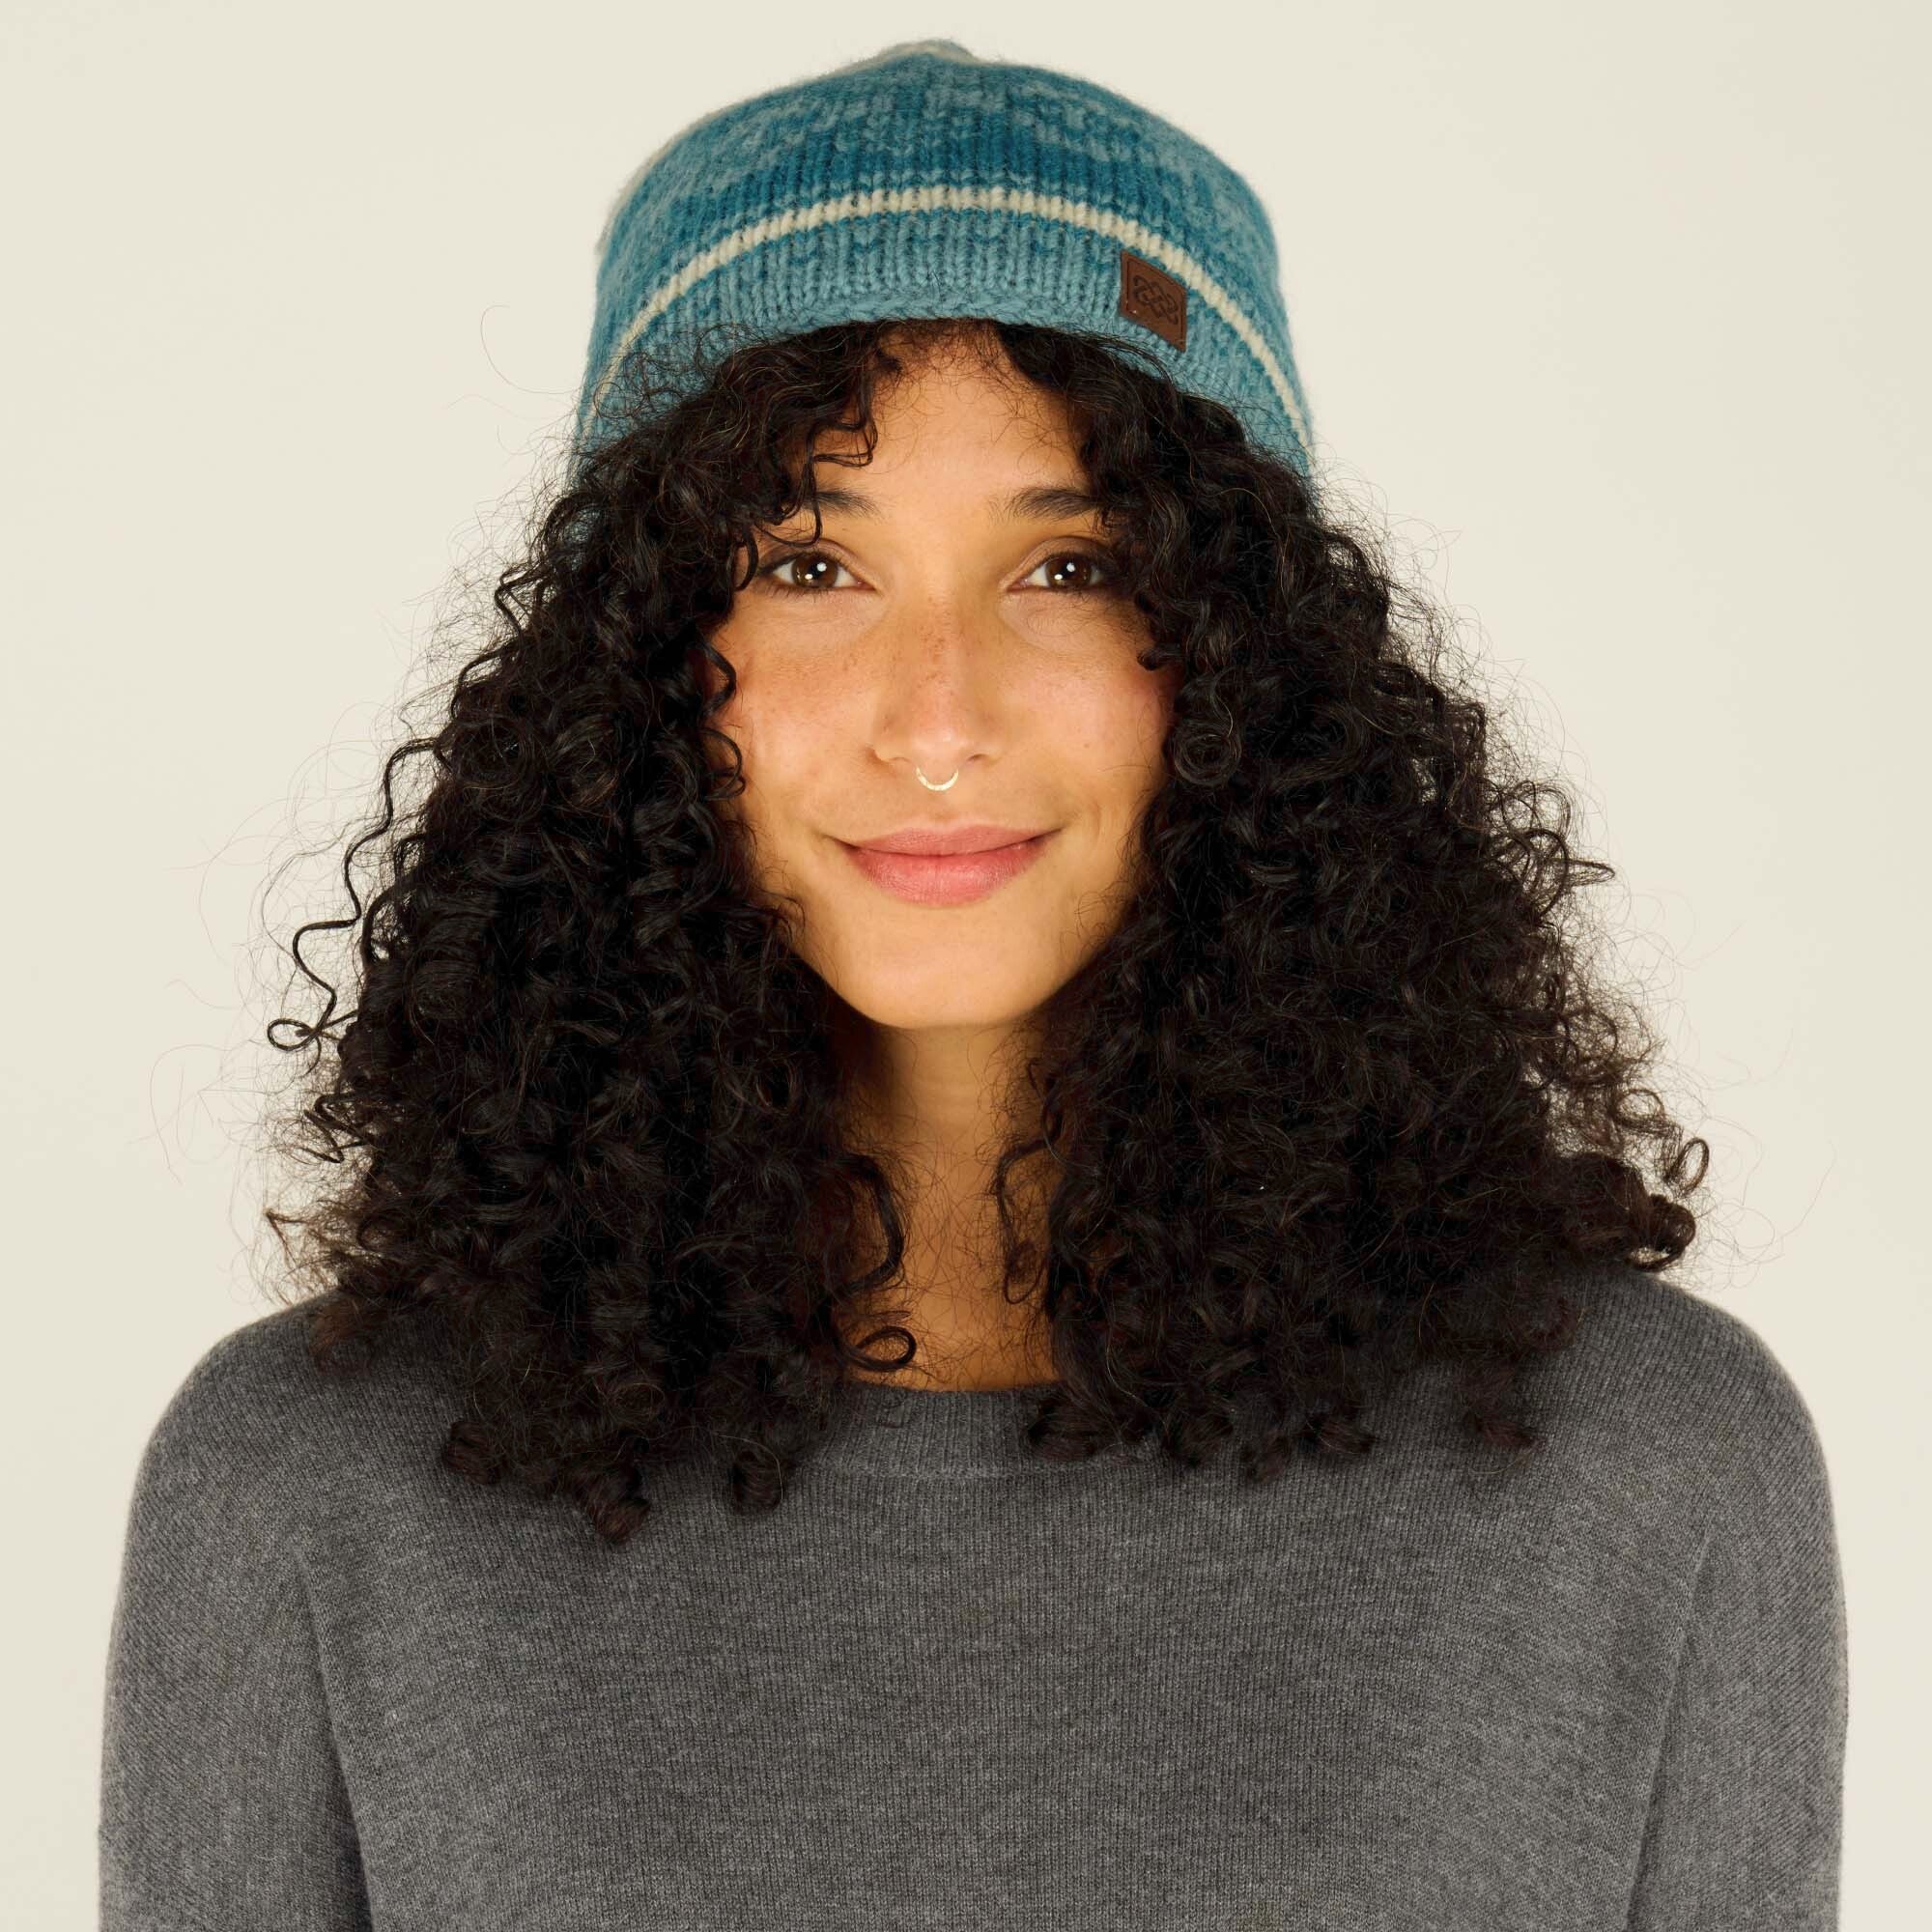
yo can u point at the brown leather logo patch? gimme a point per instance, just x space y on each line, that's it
1153 296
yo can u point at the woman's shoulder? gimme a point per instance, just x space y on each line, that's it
255 1430
1660 1345
264 1374
1677 1392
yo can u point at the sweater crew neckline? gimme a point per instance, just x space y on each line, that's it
897 1429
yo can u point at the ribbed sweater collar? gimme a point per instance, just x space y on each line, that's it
894 1429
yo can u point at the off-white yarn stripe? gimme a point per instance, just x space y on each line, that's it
884 57
1132 235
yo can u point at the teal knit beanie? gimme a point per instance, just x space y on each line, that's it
928 182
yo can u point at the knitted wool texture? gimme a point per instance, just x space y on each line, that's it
928 182
947 1687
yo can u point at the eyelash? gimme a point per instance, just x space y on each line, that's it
1109 568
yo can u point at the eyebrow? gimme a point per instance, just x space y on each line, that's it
1041 502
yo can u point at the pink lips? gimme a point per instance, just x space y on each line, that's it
954 879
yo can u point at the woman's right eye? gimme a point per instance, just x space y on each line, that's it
772 571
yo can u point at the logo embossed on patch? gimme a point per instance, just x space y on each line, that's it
1152 297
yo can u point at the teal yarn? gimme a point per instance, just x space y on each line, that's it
924 181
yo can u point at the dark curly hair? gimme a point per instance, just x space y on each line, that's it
1337 1096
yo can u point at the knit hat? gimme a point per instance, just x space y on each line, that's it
928 182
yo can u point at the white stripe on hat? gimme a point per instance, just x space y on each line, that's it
917 200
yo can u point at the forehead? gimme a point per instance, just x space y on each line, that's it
952 413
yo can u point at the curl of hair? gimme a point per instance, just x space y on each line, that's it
1337 1096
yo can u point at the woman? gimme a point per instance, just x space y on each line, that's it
995 1263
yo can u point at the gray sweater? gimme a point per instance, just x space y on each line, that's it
944 1686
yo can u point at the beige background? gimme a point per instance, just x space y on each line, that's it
1614 319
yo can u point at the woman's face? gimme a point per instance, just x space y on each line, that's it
938 624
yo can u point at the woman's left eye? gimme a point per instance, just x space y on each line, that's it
1091 560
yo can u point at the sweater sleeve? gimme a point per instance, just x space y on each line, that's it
1743 1829
222 1803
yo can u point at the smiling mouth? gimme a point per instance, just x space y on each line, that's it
949 842
952 878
